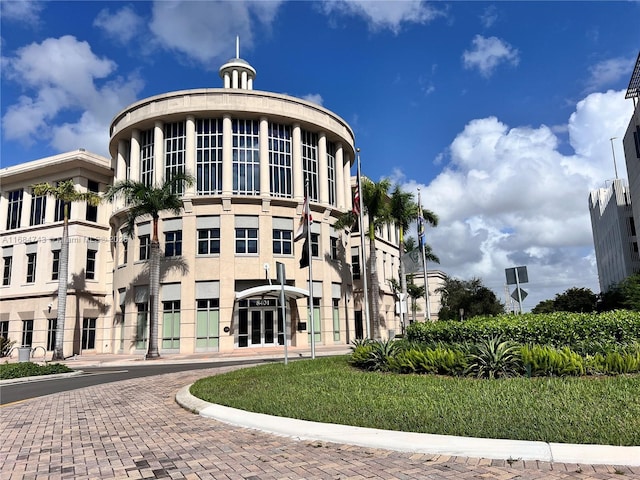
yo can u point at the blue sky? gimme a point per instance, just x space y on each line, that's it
501 113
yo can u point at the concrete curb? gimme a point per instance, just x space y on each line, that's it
38 378
499 449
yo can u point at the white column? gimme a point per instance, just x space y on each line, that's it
158 152
121 161
227 160
234 80
227 80
340 193
4 210
348 201
190 152
250 84
323 166
243 76
26 208
296 160
265 186
134 155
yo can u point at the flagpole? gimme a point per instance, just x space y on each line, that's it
363 267
422 244
307 215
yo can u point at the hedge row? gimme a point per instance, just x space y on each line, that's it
584 333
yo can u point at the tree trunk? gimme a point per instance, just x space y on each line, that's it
154 288
63 282
403 283
374 287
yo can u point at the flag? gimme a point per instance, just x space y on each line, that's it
305 220
304 258
356 199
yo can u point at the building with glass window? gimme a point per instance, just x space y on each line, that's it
31 229
255 156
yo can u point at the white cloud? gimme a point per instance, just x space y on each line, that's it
120 26
382 15
206 31
69 95
25 12
508 197
608 72
313 97
487 53
489 16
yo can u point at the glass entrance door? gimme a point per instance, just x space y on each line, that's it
259 326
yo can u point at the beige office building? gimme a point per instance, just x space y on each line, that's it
255 156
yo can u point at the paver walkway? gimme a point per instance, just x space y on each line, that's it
134 429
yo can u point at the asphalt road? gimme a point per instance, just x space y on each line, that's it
16 392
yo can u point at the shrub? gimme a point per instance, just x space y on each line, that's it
494 358
30 369
584 333
543 360
374 355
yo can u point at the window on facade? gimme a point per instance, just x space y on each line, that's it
246 240
334 248
31 267
246 157
208 241
7 262
331 171
90 270
142 319
4 329
125 250
636 140
145 247
88 333
317 329
208 324
282 242
310 162
632 226
92 211
355 263
171 325
52 325
315 245
14 212
173 243
27 333
280 172
55 264
174 151
146 157
336 319
38 207
209 156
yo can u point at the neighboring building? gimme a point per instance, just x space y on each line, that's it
631 142
255 156
615 210
614 234
30 240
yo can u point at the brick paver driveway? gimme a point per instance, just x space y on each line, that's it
134 429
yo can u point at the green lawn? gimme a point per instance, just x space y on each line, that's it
601 410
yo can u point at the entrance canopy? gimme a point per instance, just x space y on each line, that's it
272 291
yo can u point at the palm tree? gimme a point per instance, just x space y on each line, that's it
375 200
415 292
144 200
403 211
411 244
66 193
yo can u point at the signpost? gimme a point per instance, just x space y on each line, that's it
281 276
516 276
